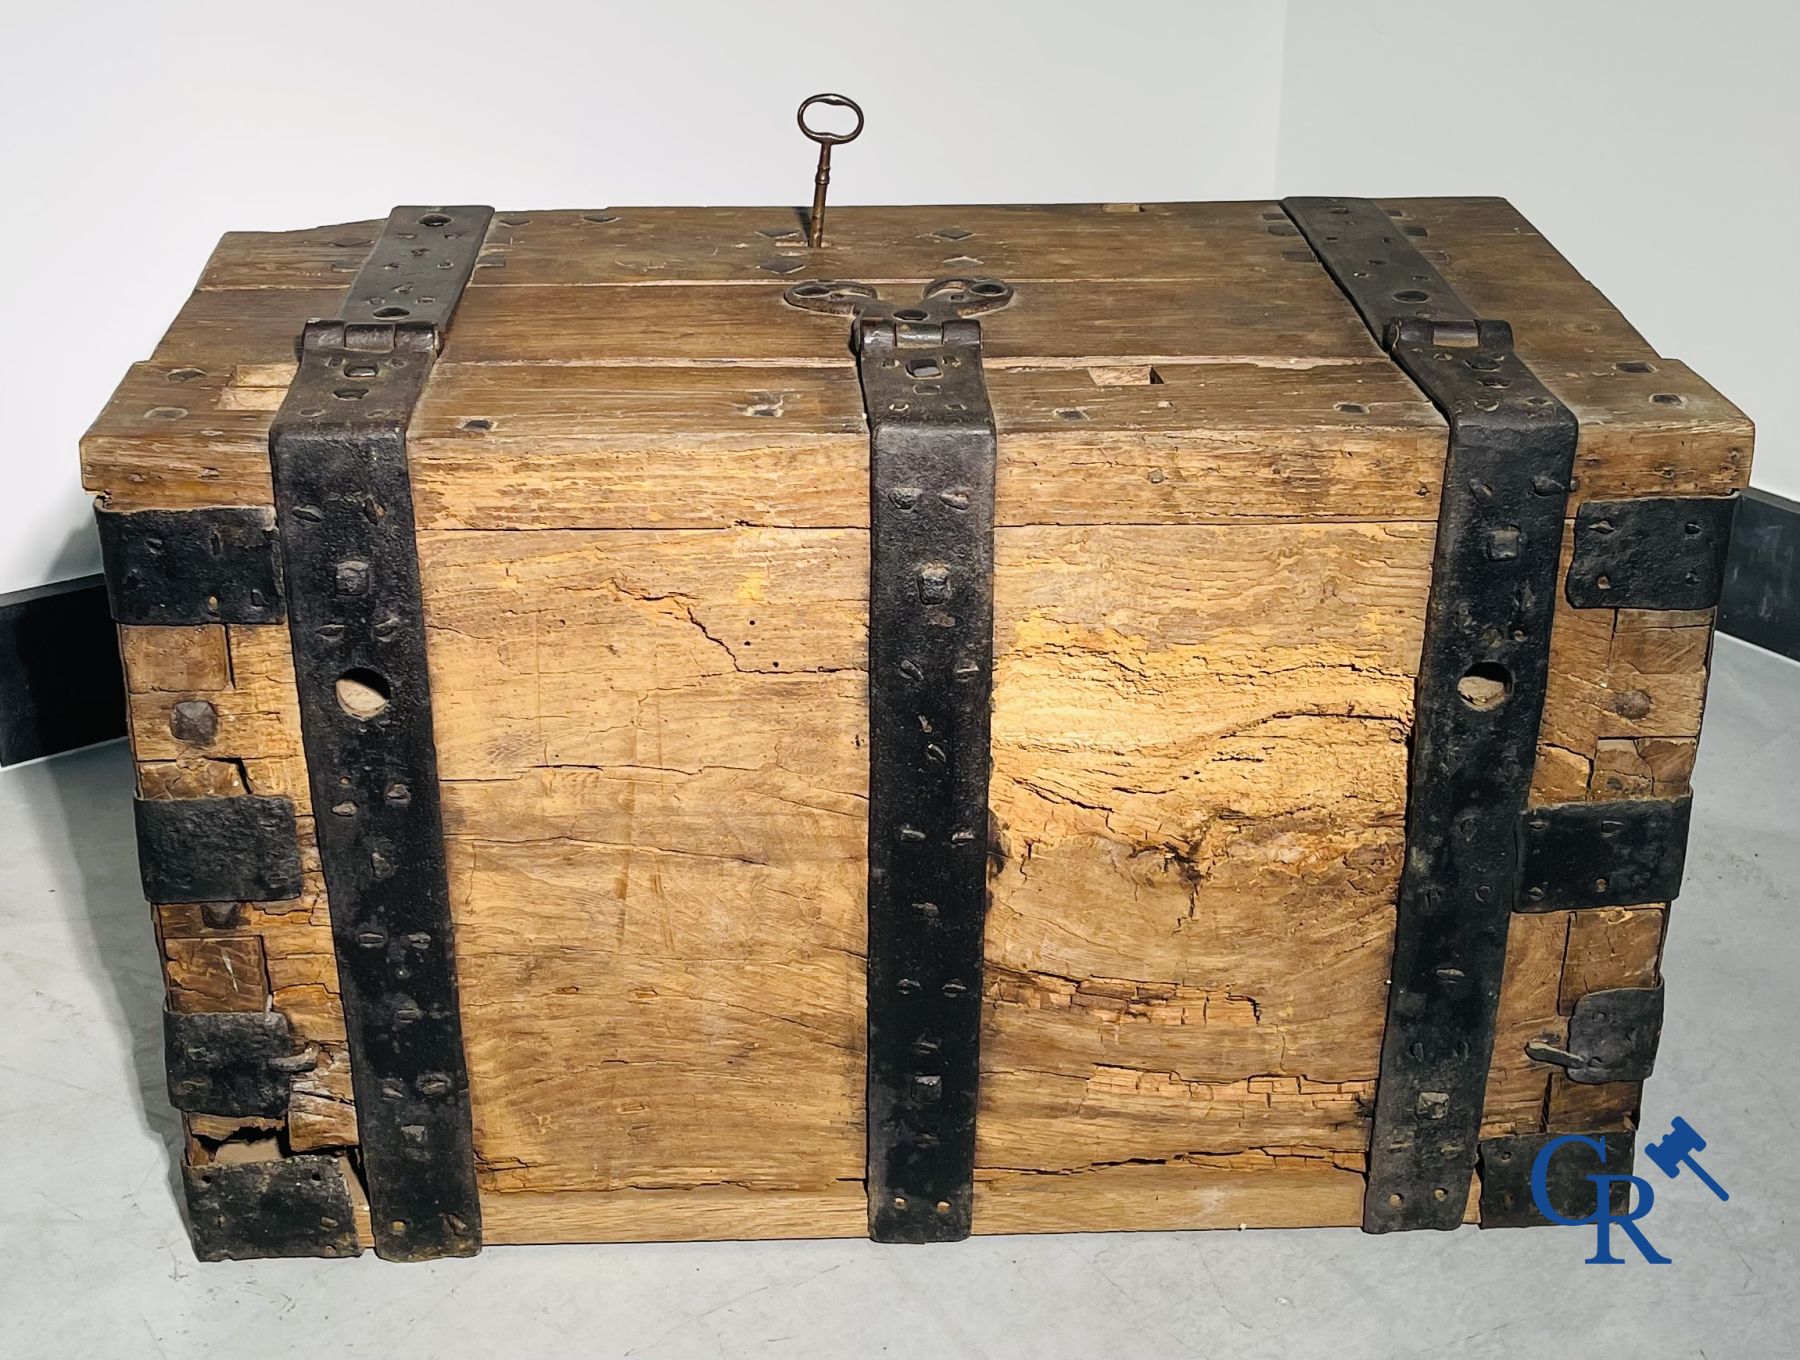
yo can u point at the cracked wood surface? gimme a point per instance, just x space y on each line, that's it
653 789
641 486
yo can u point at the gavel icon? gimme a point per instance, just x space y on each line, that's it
1676 1149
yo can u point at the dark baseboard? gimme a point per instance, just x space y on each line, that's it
1761 599
60 682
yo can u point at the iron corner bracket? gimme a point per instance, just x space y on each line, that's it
238 1064
1507 1198
1651 552
246 1211
190 567
244 848
1621 852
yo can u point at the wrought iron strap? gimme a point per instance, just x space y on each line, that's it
931 624
344 509
1378 269
1479 703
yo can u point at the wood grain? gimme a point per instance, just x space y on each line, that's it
661 246
641 484
1172 869
553 446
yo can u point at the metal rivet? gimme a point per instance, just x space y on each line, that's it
195 721
352 577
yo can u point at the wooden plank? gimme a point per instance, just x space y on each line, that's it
612 448
552 446
1287 1192
174 660
1642 767
1058 323
321 1108
191 777
558 406
1535 944
254 718
216 973
1503 267
1575 692
246 326
738 245
710 1213
1203 1193
1656 678
1635 444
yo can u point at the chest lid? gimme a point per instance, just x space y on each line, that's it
1159 363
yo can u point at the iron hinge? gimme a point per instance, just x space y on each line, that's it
232 1063
1654 552
187 567
1613 1036
1624 852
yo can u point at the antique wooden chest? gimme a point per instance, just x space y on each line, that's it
1016 719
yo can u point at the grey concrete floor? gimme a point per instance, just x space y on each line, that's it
94 1260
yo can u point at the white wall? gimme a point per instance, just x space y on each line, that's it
1644 137
138 132
1656 142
